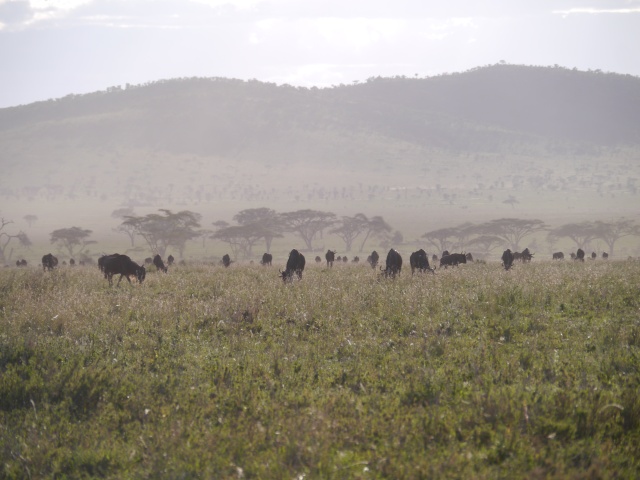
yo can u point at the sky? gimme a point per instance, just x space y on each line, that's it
53 48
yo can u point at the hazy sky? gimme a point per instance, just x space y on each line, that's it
51 48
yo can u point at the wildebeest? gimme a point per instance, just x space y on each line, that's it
605 256
558 256
452 260
445 253
572 255
170 260
266 259
21 263
318 259
507 259
226 260
373 259
72 262
434 258
594 255
123 265
526 256
103 259
148 261
469 257
157 261
393 264
49 262
295 264
580 255
356 259
345 259
330 257
420 261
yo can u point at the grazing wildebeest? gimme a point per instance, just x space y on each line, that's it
345 259
157 261
580 255
572 255
266 259
148 261
123 265
526 256
21 263
295 264
339 259
594 255
170 260
330 257
356 259
393 264
373 259
226 260
469 257
49 262
72 262
420 261
558 256
318 259
507 259
434 258
452 260
605 256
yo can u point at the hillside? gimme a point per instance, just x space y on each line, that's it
559 141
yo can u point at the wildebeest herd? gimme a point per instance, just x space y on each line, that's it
117 264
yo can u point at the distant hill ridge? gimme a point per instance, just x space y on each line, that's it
494 108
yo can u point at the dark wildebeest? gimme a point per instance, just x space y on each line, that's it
157 261
526 256
295 264
434 258
226 260
469 257
123 265
507 259
318 259
356 259
453 260
103 259
558 256
266 259
49 262
573 256
148 261
170 260
594 255
393 265
345 259
21 263
373 259
339 259
605 256
580 255
330 256
445 253
72 262
420 261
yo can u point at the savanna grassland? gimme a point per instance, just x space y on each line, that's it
207 372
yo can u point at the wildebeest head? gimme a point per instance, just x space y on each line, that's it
141 273
295 265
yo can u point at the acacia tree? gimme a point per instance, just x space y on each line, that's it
511 230
128 230
441 239
242 238
264 220
166 229
30 219
350 228
307 224
375 226
7 238
72 238
611 232
581 233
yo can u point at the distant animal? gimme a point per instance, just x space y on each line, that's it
594 255
295 265
339 259
72 262
373 259
266 259
558 256
170 260
434 258
148 261
605 256
226 260
419 261
21 263
393 265
580 255
356 259
123 265
452 260
507 259
526 256
330 257
345 259
573 256
469 257
49 262
318 259
157 261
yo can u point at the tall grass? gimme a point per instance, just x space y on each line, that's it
218 373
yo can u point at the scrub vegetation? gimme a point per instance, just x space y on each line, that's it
229 373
